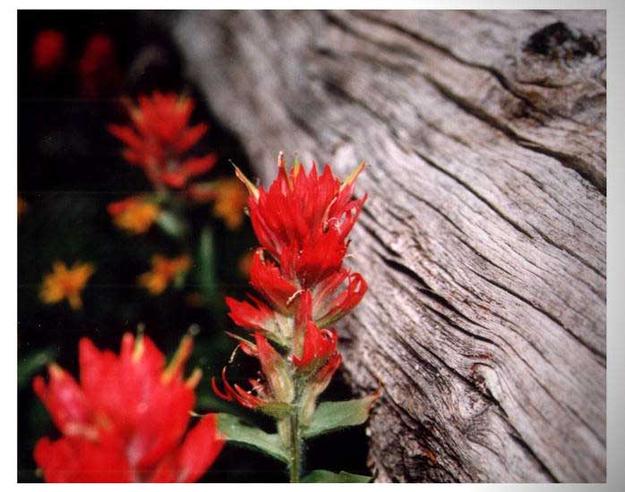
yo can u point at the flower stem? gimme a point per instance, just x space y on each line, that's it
295 448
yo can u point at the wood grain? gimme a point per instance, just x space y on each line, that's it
483 239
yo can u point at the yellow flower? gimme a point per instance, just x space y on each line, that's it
230 201
164 271
66 283
134 214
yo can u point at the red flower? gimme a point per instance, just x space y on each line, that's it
98 68
160 136
48 50
127 420
303 220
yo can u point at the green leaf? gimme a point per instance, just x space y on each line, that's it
171 224
207 275
325 476
333 415
31 364
238 432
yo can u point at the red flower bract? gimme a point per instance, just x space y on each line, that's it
303 220
159 137
275 387
127 420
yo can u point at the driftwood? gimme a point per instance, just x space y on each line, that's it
483 239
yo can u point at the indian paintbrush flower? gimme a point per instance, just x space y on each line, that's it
302 222
127 419
160 138
66 283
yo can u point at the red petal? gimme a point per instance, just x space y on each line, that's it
199 450
190 137
247 315
198 165
127 135
79 460
63 398
319 345
266 278
330 306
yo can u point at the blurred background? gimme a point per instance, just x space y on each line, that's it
74 69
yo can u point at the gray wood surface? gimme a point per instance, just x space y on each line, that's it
483 239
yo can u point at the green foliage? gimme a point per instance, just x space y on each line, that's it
235 430
334 415
206 273
31 364
325 476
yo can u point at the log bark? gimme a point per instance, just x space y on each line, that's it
483 238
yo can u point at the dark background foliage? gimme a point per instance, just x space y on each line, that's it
69 169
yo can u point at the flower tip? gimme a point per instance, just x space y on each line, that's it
353 175
193 330
176 366
253 190
139 346
193 380
55 371
281 160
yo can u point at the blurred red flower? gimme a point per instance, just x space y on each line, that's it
98 70
127 420
48 50
159 138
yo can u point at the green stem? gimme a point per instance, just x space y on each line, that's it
295 448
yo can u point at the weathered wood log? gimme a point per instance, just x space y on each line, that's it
483 239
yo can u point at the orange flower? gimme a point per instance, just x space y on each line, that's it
230 201
229 196
22 206
134 214
244 263
66 283
164 271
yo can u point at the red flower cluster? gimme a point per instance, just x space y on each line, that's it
302 222
159 138
127 419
